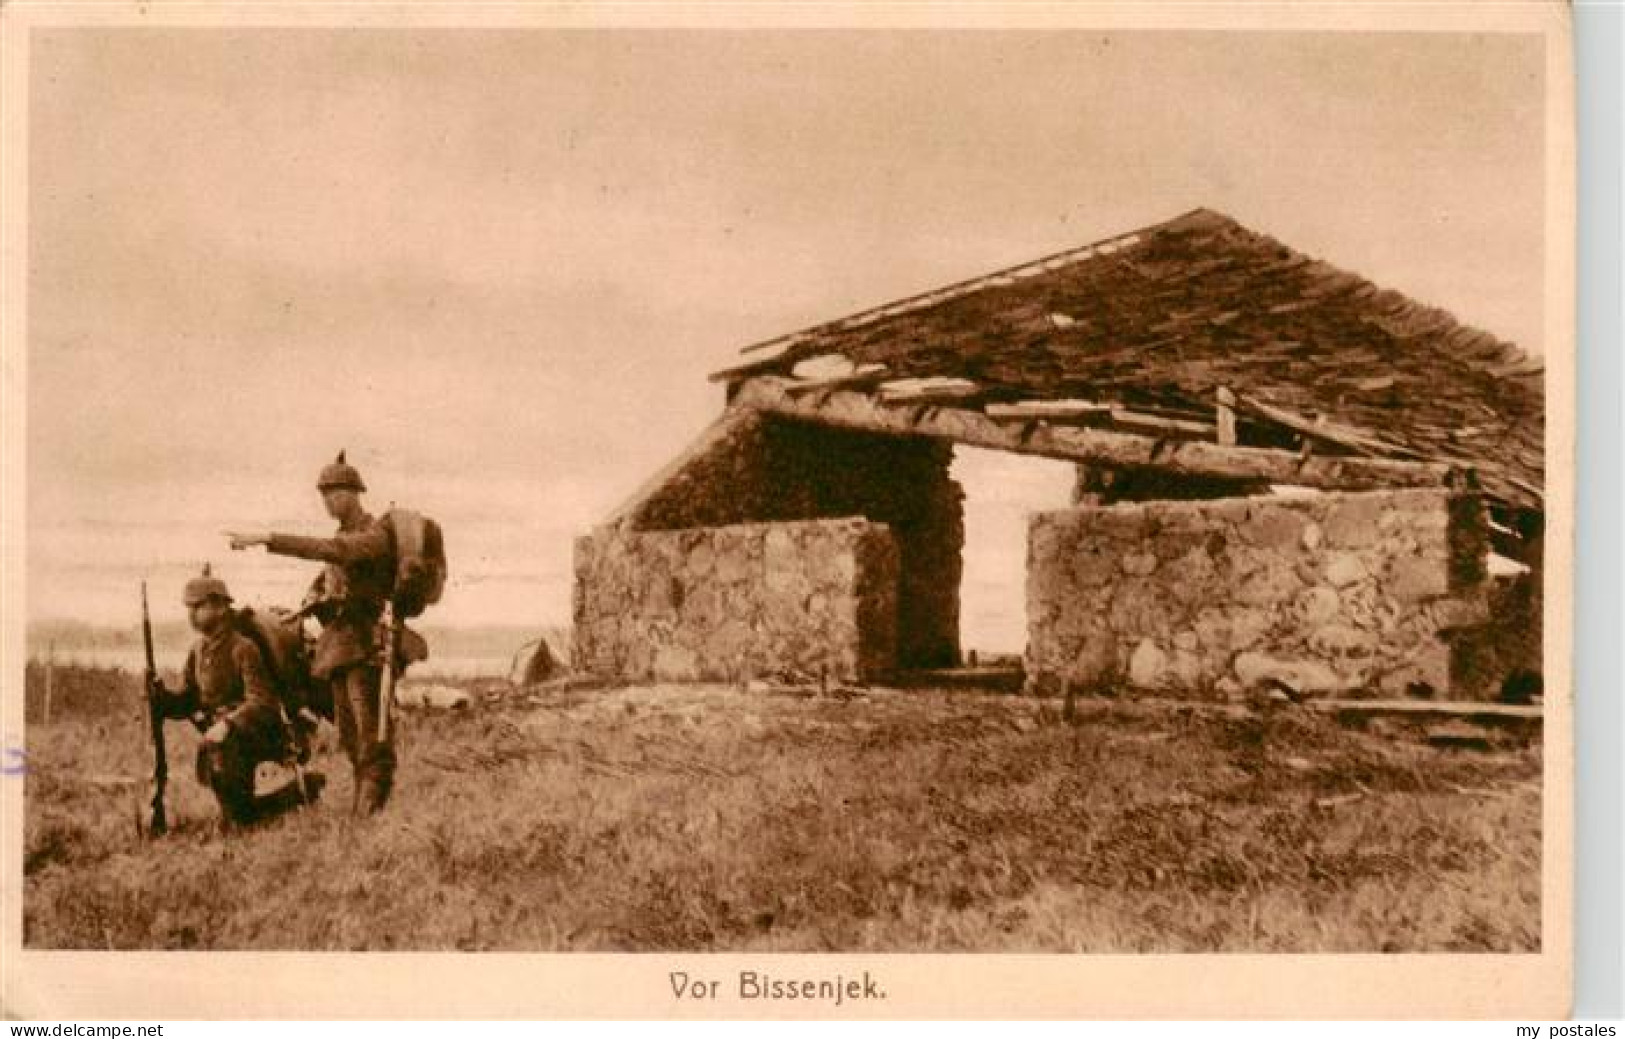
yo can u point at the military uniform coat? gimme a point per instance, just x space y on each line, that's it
226 677
353 589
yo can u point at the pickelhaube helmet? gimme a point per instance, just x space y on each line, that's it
339 473
204 587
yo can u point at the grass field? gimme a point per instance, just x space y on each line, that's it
708 818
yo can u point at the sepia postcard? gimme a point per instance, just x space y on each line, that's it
787 511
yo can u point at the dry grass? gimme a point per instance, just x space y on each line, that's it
712 819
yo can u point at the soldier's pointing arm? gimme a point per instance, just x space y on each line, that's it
343 548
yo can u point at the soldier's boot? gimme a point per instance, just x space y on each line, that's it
376 778
224 771
374 795
373 790
237 807
315 783
370 792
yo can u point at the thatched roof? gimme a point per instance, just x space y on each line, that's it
1157 321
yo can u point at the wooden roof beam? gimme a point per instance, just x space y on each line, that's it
1051 409
864 377
1341 436
850 410
1225 416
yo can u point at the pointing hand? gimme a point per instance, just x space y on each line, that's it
247 539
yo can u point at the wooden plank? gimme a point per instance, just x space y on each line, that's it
866 375
745 371
823 366
849 410
1171 426
1007 679
928 389
1430 708
1055 409
1342 436
1226 416
1507 543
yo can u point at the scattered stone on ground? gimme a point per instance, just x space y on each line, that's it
432 696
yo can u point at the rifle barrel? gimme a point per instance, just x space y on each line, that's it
146 632
155 724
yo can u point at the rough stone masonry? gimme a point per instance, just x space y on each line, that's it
1329 593
811 600
767 469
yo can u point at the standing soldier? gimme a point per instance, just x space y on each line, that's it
227 693
348 598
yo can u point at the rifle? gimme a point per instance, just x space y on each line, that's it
386 694
155 722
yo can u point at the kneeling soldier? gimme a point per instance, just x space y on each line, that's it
227 693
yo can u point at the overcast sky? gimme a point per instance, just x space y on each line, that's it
497 266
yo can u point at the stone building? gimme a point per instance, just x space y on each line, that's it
1284 475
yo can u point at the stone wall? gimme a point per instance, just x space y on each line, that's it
1325 593
768 469
810 600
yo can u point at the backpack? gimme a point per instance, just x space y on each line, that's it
420 561
286 654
